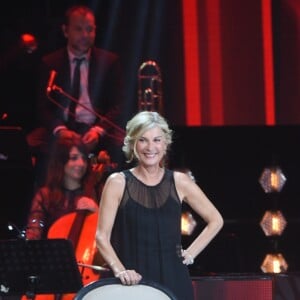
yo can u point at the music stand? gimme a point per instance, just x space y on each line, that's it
30 267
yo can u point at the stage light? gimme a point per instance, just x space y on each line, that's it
188 223
274 263
273 223
272 179
29 42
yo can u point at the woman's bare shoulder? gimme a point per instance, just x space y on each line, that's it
181 177
116 178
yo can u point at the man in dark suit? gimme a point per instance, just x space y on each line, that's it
96 115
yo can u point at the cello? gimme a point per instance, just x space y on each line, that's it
80 228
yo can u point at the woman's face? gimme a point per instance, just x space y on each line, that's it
151 147
76 166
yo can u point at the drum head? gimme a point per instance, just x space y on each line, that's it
112 289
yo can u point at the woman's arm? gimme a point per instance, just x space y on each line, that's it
109 204
192 194
36 219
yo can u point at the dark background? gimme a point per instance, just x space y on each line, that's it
226 161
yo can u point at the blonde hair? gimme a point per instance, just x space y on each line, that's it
136 127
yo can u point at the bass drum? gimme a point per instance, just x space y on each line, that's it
112 289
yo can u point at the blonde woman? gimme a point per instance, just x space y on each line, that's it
139 223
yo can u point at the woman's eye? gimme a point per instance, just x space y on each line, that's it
73 157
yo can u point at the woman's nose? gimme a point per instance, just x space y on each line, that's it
149 145
81 161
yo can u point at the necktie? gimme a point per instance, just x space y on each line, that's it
75 91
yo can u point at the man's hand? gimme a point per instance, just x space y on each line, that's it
91 139
66 134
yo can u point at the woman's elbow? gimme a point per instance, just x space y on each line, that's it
219 221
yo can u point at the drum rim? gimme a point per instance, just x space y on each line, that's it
116 281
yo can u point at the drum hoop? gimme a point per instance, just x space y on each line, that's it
116 281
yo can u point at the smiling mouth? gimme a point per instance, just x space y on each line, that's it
79 171
149 154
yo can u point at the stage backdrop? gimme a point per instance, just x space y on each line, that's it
227 163
222 62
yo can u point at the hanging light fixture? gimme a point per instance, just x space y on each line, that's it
273 222
188 223
274 263
272 179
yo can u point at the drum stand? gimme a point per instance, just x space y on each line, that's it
31 267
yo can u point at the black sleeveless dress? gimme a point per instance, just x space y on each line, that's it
147 233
